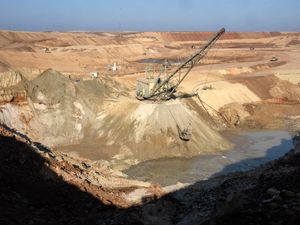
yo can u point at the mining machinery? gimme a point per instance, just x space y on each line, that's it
157 88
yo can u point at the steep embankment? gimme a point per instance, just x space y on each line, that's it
278 106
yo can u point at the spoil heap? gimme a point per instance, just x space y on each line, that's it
56 108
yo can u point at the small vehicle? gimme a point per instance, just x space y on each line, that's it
273 59
47 50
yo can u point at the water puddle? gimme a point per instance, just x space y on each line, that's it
251 150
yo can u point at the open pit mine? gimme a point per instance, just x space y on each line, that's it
149 128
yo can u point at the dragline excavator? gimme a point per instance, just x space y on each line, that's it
150 88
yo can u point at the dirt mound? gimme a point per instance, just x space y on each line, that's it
139 131
268 87
286 90
49 88
225 92
261 86
57 108
234 113
293 42
52 87
272 116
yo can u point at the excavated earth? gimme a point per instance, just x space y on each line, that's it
101 116
65 137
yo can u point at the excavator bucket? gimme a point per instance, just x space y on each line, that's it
185 134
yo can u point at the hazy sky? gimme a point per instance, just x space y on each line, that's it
150 15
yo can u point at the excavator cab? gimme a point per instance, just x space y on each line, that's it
145 86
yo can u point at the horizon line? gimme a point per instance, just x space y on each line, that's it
140 31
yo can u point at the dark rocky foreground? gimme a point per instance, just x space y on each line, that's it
33 191
267 195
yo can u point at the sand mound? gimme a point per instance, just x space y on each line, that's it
57 108
224 92
268 87
52 87
49 87
138 131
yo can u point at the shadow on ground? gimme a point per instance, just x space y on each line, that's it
31 193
